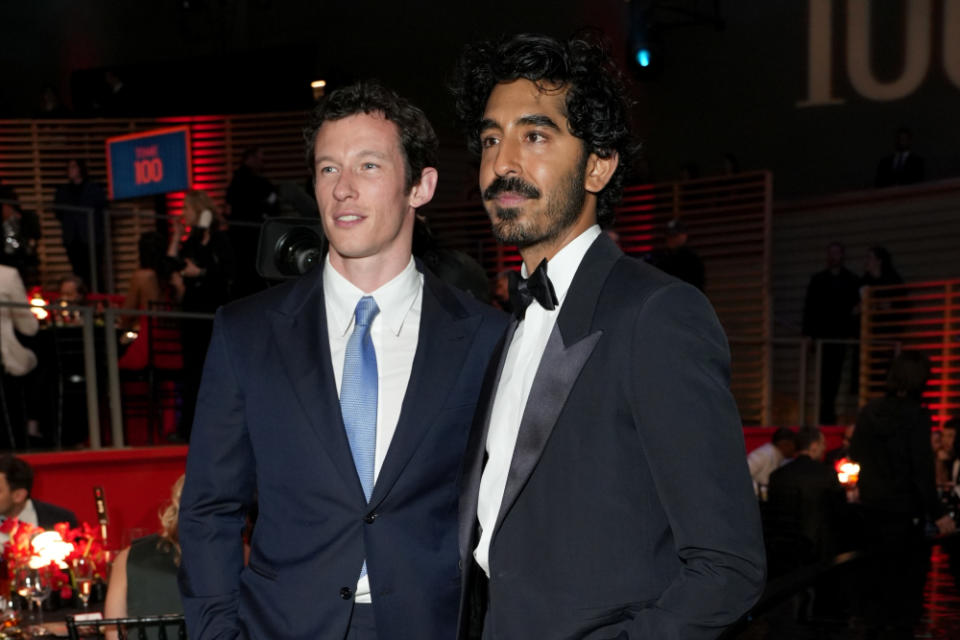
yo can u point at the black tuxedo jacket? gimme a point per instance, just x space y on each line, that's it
268 425
628 510
50 514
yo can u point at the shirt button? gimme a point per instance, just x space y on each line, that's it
346 593
370 517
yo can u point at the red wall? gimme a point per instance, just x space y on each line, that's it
136 484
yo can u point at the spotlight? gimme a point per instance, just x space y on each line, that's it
644 51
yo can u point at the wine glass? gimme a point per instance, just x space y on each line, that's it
83 575
38 589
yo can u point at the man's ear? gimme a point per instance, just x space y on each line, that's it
19 496
422 192
599 171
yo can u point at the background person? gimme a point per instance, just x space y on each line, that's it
143 580
899 495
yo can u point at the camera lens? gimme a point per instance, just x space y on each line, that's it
298 251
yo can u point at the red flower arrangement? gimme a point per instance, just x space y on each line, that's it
85 540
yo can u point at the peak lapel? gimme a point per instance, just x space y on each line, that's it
300 332
568 348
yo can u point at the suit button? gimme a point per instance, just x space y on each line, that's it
346 593
370 517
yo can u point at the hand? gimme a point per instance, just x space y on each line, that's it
191 270
946 525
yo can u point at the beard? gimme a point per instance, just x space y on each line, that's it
547 218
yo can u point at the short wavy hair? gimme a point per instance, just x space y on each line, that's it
597 102
418 140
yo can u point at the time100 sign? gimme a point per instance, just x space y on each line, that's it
148 163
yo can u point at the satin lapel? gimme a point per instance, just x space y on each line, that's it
569 347
476 447
446 334
559 369
300 333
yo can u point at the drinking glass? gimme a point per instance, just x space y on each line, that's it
83 576
38 589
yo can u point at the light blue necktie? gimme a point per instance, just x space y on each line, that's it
358 395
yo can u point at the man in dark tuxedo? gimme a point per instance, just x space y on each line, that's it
16 483
341 402
903 166
605 493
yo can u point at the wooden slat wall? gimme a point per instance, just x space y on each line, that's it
919 225
34 154
728 223
925 317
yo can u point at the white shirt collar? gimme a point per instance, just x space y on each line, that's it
395 298
563 266
29 513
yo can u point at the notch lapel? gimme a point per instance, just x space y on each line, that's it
300 332
476 453
446 334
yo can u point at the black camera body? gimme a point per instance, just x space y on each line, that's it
289 247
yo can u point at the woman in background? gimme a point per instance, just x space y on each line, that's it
207 266
143 580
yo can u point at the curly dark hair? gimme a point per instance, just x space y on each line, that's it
597 103
417 137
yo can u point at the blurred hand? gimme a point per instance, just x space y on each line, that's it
191 270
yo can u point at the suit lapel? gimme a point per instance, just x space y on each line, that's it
476 453
446 334
300 332
569 347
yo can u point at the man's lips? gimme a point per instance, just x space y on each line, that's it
510 199
347 219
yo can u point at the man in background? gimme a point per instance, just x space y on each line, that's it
16 483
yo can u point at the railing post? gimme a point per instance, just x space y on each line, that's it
90 373
113 382
109 285
92 251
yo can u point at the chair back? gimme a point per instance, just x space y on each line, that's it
165 627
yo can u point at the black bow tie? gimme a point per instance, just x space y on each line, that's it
537 287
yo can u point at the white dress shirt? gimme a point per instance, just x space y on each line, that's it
519 369
28 515
394 332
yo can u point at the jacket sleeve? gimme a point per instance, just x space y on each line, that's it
219 491
691 432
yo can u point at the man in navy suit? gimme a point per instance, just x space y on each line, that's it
606 494
356 534
16 483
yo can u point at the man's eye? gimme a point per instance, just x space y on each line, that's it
536 136
327 170
370 165
487 141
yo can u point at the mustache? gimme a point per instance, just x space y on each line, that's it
513 184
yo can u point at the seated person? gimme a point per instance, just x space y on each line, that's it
16 482
143 581
766 458
73 292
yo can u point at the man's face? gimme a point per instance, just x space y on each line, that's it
73 172
947 439
532 169
10 500
68 291
360 189
819 448
834 256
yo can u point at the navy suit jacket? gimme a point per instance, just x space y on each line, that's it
628 510
268 427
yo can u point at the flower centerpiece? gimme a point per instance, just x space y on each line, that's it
52 552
